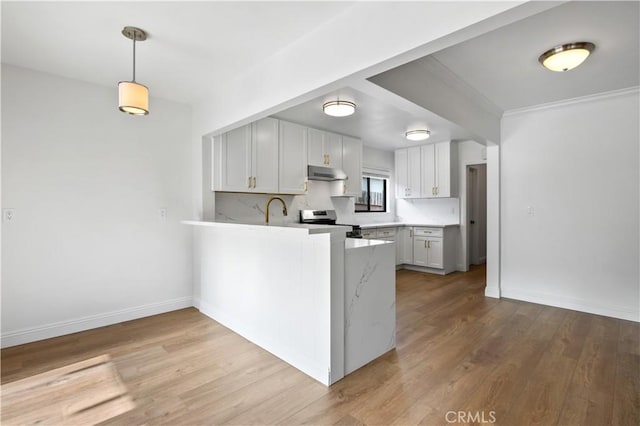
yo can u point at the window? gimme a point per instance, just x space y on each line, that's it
374 195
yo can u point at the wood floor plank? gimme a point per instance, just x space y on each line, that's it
456 351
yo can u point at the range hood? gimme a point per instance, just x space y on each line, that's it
325 173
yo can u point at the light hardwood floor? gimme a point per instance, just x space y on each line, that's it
460 356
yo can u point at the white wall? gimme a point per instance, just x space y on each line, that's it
574 166
87 246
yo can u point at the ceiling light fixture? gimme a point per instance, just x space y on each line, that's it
339 108
417 135
133 98
566 57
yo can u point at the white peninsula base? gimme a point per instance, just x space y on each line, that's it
283 288
370 301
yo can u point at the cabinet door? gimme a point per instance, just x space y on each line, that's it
442 162
420 251
406 240
352 166
428 153
404 246
402 180
333 150
264 155
293 158
235 164
315 148
435 258
414 172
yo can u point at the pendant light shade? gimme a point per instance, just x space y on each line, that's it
339 108
417 135
133 98
566 57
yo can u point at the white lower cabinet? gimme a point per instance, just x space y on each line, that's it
427 251
426 247
433 248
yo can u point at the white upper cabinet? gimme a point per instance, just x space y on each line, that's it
402 180
324 149
264 155
408 172
235 162
427 171
293 158
248 158
439 178
271 156
352 166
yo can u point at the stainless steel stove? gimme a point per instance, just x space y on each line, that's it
328 217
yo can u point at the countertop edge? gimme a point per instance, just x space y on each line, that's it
398 224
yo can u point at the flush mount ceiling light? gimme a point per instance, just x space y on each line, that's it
339 108
566 57
133 98
417 135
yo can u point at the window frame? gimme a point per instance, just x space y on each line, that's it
385 193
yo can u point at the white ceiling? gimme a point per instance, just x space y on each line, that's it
192 47
503 64
196 47
380 122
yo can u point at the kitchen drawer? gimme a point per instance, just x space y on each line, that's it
386 232
369 233
428 232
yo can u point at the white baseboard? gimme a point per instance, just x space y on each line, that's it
572 303
32 334
492 292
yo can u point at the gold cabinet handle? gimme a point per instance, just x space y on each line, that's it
305 186
344 187
328 159
254 181
425 243
428 244
410 233
249 182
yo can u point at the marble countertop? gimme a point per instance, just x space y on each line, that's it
310 228
354 243
395 224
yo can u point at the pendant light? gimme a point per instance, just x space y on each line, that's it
417 135
339 108
133 98
567 56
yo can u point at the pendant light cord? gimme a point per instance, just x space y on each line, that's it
134 55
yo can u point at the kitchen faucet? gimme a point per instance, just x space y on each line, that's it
266 210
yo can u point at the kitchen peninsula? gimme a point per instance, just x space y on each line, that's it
283 288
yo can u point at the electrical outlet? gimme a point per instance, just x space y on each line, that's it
530 211
162 213
8 215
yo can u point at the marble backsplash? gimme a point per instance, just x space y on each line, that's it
429 210
249 208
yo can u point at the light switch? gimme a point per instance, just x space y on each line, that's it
530 211
162 213
8 215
